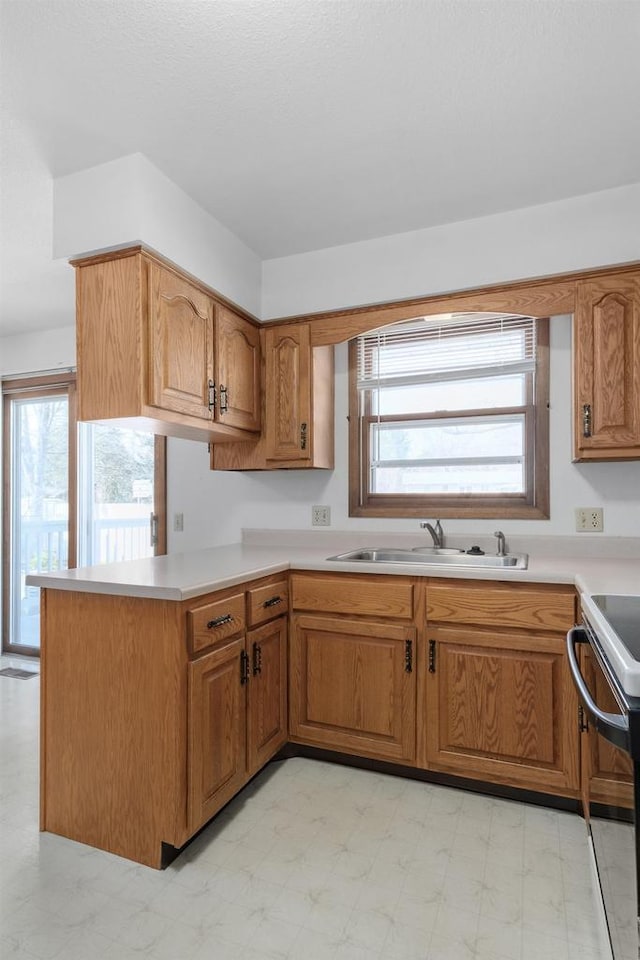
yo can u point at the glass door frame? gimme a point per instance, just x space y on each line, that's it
52 385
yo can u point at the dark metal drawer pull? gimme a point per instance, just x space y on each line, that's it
272 602
226 618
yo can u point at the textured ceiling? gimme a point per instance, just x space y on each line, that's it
301 124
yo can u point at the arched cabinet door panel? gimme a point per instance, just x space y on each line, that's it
238 379
606 348
181 340
288 393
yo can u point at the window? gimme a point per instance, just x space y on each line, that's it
89 491
449 417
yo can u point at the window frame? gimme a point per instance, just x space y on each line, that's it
532 505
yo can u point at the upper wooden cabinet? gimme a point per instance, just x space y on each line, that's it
606 352
288 392
238 356
298 406
181 358
156 349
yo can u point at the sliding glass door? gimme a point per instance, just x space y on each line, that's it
85 491
37 517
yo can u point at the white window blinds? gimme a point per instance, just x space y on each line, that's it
444 349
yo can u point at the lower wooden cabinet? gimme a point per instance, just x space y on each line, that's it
217 730
266 693
458 677
352 686
607 772
496 699
237 716
501 707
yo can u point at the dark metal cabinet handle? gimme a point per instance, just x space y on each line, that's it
408 656
612 726
153 529
226 618
271 602
303 436
583 723
244 667
224 399
432 656
212 394
586 420
257 659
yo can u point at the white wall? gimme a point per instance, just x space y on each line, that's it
217 505
128 201
34 352
589 231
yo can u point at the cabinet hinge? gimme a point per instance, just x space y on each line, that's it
432 656
408 656
212 394
224 399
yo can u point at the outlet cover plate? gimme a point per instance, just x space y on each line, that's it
321 516
589 520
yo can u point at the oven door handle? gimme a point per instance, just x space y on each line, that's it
612 726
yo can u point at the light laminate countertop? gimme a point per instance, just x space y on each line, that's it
183 576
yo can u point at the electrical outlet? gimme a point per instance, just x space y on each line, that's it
589 520
321 516
178 522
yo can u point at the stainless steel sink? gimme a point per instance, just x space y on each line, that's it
431 556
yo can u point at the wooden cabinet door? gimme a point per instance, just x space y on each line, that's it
216 731
267 693
606 345
502 708
238 357
352 686
607 772
288 393
180 344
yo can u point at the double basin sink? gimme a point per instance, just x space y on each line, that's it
429 556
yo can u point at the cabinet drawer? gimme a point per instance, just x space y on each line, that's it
369 596
501 605
267 602
215 621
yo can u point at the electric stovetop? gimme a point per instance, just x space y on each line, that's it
616 622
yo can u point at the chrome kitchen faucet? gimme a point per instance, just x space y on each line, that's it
436 532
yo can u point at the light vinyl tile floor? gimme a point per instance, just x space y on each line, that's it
313 861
